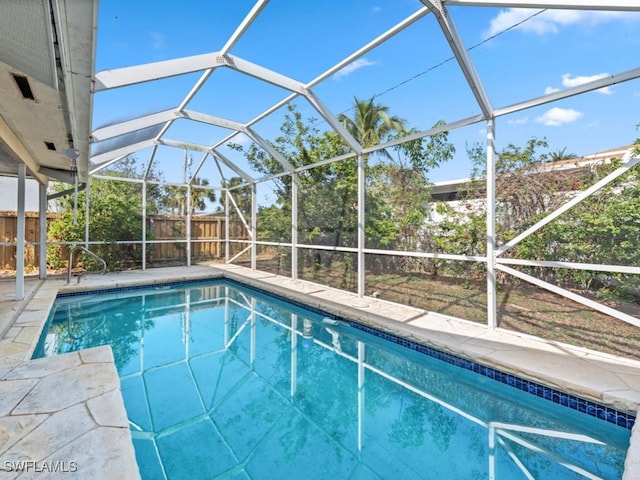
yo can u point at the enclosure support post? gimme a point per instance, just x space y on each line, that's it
144 224
22 173
492 318
294 225
226 226
361 220
188 226
254 222
42 242
87 206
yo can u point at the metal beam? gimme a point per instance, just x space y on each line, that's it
132 125
251 16
492 290
362 182
152 158
184 145
410 20
574 201
571 296
104 165
212 120
244 175
96 161
263 73
244 25
596 267
199 167
570 92
426 133
120 77
269 149
614 5
333 121
462 56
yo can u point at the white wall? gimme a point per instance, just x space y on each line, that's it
9 194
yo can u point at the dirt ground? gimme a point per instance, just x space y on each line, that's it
523 308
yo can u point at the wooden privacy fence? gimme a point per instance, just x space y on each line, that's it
8 234
170 230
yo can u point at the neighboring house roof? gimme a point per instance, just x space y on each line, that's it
449 189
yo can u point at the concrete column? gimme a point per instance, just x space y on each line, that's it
22 173
42 220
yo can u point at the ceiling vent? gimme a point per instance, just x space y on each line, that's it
23 84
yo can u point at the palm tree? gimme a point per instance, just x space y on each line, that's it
371 123
562 155
176 197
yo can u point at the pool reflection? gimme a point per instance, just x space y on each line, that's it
220 381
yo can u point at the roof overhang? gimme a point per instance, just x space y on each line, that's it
45 85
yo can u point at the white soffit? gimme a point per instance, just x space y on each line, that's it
42 131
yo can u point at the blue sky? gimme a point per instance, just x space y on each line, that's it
412 73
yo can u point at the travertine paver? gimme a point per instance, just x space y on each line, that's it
66 417
12 392
51 435
80 383
105 408
632 462
13 428
42 367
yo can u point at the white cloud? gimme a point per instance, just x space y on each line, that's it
558 116
518 121
353 66
158 40
376 9
241 139
551 21
569 81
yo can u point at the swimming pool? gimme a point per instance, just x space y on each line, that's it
223 381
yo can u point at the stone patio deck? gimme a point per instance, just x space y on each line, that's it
69 408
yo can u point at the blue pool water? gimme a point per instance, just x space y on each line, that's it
221 381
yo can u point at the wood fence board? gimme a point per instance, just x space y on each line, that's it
159 227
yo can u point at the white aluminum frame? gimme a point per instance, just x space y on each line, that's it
207 63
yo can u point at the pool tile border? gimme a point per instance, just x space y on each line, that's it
602 412
594 409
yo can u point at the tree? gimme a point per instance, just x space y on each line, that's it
175 198
371 124
115 215
562 155
402 182
397 184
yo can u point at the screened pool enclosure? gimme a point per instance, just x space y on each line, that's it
393 149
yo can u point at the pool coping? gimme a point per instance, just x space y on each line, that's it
617 385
